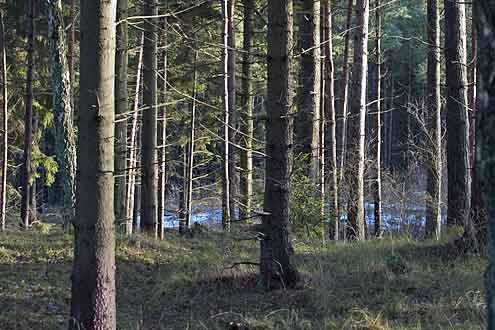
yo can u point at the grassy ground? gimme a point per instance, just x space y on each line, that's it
186 283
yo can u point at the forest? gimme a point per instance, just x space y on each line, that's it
247 165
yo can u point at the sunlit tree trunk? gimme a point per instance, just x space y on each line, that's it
434 166
247 122
93 276
329 116
356 133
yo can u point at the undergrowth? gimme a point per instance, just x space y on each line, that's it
189 283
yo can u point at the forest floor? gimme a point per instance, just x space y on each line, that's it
189 283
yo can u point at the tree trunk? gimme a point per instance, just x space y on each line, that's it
308 115
133 154
226 198
486 135
149 173
93 275
5 131
121 107
344 89
231 71
329 115
434 166
190 158
459 176
28 119
65 138
71 51
356 133
377 125
247 122
276 265
162 134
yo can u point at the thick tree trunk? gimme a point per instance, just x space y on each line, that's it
121 107
434 166
5 130
486 135
308 115
65 137
247 122
93 275
459 176
28 119
377 124
356 133
226 198
162 133
149 170
134 145
276 265
329 115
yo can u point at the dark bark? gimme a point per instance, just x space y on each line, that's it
356 131
434 165
376 185
149 170
276 265
121 107
28 120
247 122
162 132
308 115
486 136
93 275
5 118
459 176
65 138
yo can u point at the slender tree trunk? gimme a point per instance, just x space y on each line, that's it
330 114
183 227
434 168
231 73
93 275
344 90
149 173
65 138
377 124
276 265
190 158
28 119
308 116
121 108
459 176
247 114
226 198
162 133
71 51
5 128
356 134
486 135
133 154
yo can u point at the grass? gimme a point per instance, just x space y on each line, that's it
187 283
